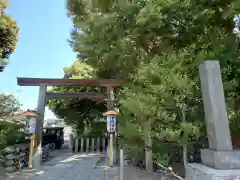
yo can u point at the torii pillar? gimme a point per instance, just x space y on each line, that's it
37 158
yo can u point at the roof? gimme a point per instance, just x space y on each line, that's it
28 113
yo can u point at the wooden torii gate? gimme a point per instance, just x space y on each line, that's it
109 84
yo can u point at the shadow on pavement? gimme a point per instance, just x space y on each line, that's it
60 165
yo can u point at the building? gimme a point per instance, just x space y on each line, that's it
54 123
27 117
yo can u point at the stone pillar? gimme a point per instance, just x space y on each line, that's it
70 145
214 106
98 144
82 144
37 159
76 144
93 144
219 161
87 145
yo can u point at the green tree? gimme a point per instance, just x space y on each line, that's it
8 125
158 102
8 35
157 46
8 105
78 112
129 33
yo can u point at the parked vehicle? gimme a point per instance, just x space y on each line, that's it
54 136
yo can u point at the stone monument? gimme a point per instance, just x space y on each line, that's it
220 161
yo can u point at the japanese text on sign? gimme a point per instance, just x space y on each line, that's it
111 123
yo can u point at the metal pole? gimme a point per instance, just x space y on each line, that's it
37 160
121 164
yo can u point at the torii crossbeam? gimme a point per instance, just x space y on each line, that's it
44 95
70 82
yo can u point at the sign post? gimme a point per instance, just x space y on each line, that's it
31 129
32 144
111 124
111 128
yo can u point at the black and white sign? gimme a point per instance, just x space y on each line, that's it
111 123
30 125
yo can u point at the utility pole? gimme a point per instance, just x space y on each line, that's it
18 94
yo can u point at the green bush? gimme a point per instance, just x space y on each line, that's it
11 132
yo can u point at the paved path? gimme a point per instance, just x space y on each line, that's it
70 167
103 172
132 173
91 166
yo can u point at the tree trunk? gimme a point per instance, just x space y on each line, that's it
185 145
148 145
185 160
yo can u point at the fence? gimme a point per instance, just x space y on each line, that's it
88 144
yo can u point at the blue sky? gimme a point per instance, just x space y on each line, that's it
42 49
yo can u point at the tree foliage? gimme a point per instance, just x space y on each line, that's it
8 35
13 127
8 105
157 46
79 113
8 125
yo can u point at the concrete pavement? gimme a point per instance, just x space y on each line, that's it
132 173
87 166
70 167
103 172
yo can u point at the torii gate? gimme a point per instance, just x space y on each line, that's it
44 95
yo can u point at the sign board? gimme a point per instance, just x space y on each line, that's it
31 125
32 129
111 123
